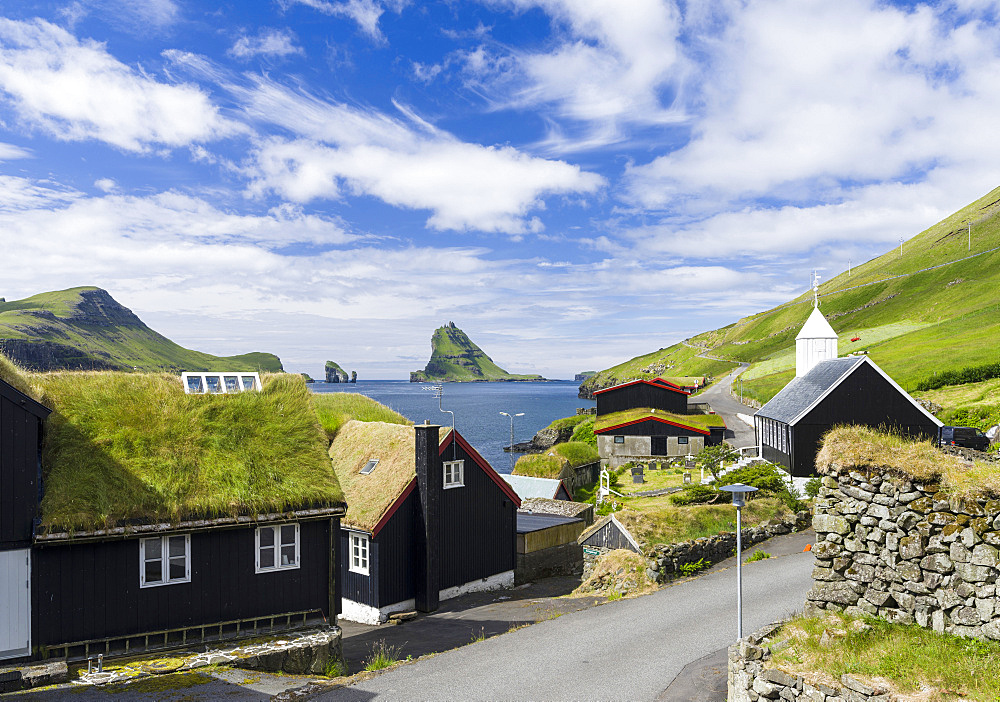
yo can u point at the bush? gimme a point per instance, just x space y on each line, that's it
766 477
758 555
695 495
812 487
584 433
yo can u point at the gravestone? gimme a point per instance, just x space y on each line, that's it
687 478
637 473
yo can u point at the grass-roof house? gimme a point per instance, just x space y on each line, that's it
164 517
429 519
650 420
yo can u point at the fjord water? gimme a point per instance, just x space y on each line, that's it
477 408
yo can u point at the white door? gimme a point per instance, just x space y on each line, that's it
15 603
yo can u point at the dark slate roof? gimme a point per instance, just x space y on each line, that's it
804 392
536 522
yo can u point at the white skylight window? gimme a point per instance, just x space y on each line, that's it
219 383
369 466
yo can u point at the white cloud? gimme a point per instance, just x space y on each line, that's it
10 152
268 42
366 13
106 185
803 98
612 66
411 165
75 90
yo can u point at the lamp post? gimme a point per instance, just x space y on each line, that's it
511 417
739 499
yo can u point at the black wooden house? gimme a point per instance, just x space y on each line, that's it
429 519
166 520
655 394
21 419
850 390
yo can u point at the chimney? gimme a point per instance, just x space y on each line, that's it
429 488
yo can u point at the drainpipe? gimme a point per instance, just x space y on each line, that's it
429 487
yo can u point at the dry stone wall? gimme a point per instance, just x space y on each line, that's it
901 550
750 678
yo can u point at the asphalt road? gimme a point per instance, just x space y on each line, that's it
722 401
625 650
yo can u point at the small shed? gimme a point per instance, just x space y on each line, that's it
528 486
607 533
563 508
547 546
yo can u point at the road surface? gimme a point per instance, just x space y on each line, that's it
723 402
625 650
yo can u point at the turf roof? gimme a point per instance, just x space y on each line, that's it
132 448
698 421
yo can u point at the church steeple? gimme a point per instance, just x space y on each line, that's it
817 341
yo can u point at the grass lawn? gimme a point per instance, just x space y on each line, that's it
654 520
655 480
909 659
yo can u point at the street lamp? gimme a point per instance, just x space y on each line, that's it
511 417
739 491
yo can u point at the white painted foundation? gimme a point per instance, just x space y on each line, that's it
494 582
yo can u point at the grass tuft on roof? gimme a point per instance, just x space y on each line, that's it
337 408
18 378
698 421
126 448
863 449
370 496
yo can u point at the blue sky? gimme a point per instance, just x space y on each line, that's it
572 182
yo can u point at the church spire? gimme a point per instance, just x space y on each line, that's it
817 341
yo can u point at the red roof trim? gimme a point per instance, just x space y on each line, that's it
484 465
394 506
650 417
658 383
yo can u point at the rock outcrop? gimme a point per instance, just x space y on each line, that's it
335 374
455 358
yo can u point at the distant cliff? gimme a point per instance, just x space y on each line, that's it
86 328
454 358
336 374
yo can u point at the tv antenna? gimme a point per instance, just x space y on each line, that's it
439 394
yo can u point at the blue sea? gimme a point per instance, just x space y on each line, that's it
477 408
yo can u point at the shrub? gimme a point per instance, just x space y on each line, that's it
694 495
812 487
692 568
758 555
584 433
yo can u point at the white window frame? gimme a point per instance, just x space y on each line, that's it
619 439
277 545
364 544
241 385
457 474
164 562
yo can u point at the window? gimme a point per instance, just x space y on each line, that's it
619 439
219 383
359 553
454 474
682 439
165 560
277 547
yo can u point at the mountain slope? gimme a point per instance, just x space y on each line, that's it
455 358
932 308
85 328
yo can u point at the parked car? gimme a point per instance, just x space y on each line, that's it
969 437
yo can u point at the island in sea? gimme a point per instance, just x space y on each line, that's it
336 374
456 359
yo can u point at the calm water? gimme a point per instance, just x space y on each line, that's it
477 408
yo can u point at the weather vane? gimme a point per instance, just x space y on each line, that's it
815 287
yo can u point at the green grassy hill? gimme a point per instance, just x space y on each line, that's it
455 358
85 328
935 307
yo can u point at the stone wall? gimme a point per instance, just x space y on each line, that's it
667 559
898 549
750 680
